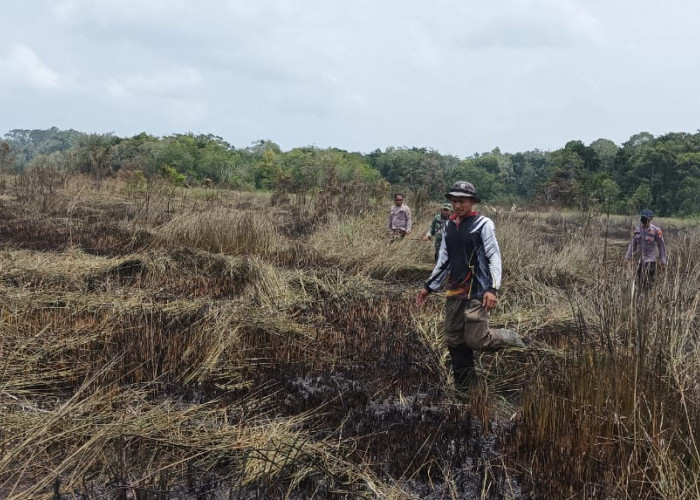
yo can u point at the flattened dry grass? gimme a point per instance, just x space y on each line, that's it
230 353
123 443
24 269
361 245
72 360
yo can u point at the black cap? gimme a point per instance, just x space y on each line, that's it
463 189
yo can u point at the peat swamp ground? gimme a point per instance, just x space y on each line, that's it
208 344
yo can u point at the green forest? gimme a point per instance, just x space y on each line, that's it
662 172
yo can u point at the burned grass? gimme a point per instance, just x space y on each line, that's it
600 420
334 356
204 361
30 231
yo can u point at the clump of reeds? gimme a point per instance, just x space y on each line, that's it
617 414
37 188
224 231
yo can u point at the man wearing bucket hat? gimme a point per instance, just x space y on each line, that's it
648 240
469 261
435 229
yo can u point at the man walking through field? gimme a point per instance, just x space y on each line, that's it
435 229
400 222
469 261
646 240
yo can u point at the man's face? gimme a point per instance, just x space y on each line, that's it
461 206
445 213
398 200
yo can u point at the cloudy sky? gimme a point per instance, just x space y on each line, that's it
459 76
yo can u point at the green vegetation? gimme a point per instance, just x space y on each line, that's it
646 171
160 341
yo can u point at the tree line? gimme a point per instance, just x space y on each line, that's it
646 171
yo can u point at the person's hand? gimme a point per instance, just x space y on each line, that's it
489 301
421 297
426 237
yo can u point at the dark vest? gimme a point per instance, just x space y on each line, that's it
462 246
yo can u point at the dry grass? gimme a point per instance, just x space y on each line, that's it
207 344
222 231
122 443
361 245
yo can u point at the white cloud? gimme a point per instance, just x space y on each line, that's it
22 66
459 75
532 24
107 13
173 95
172 83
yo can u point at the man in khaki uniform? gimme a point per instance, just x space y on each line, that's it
400 223
469 262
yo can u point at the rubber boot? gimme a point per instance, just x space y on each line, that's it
506 337
463 366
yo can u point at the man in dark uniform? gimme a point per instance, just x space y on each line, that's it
648 241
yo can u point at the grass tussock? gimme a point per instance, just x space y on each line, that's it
222 231
361 244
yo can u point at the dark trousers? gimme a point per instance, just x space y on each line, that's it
646 272
462 366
